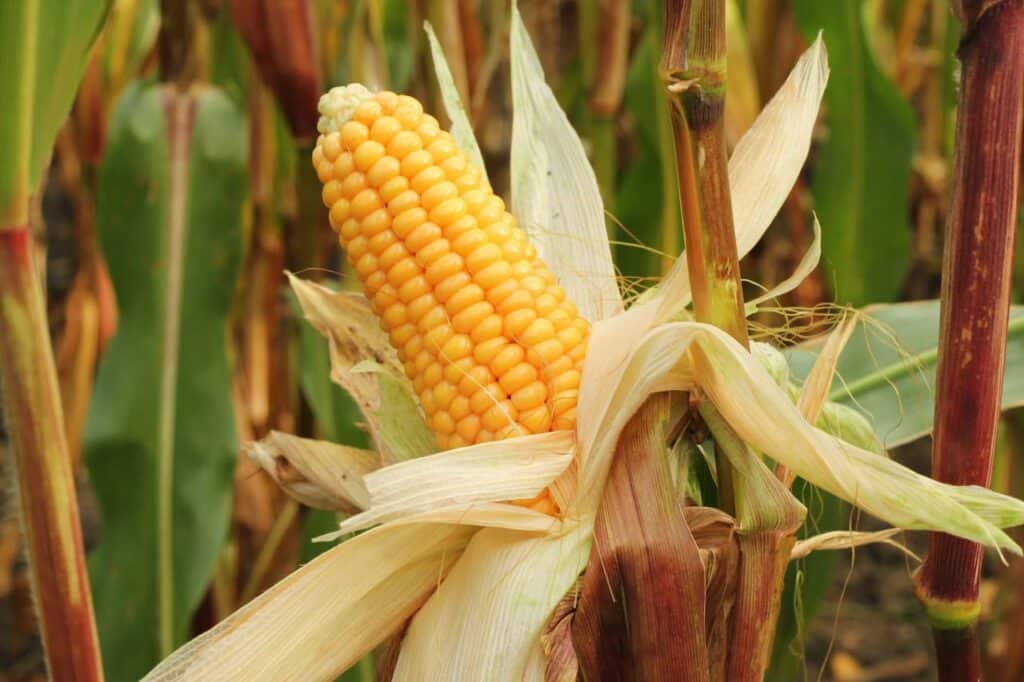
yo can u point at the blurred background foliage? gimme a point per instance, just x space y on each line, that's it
181 191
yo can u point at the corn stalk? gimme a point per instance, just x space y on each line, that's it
976 284
28 378
694 70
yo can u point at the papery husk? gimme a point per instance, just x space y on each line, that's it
555 195
326 615
641 609
488 616
561 663
714 531
316 473
364 364
515 468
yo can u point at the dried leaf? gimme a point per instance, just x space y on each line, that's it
317 473
462 129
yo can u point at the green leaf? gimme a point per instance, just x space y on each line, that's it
862 171
160 440
45 49
887 370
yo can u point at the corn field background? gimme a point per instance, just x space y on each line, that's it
177 338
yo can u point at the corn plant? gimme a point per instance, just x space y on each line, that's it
521 514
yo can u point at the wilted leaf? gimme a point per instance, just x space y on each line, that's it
160 441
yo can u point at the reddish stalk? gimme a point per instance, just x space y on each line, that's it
975 294
46 490
694 66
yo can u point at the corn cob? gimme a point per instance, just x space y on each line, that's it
486 335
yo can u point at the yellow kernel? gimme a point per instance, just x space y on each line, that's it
444 267
339 213
499 232
436 194
408 220
515 378
444 393
365 203
499 292
442 148
459 408
391 255
410 104
471 179
353 184
426 398
394 316
432 251
384 169
404 143
438 336
485 353
510 356
353 134
463 298
442 423
388 100
381 242
427 178
566 381
423 360
331 192
470 319
546 304
366 264
484 329
468 242
448 211
494 274
433 374
414 345
375 282
384 128
491 211
570 337
385 296
428 129
522 268
512 250
403 202
376 222
539 330
565 421
331 146
446 289
484 436
412 285
343 165
474 199
499 415
482 395
517 300
415 162
578 354
356 248
456 348
537 420
400 335
560 318
455 371
530 396
460 226
420 306
468 427
367 111
423 235
533 284
564 401
318 156
482 256
517 321
401 272
350 229
546 352
455 441
434 317
453 166
367 154
393 188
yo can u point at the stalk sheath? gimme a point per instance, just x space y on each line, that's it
46 490
975 306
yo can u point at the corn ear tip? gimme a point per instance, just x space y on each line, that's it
337 104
